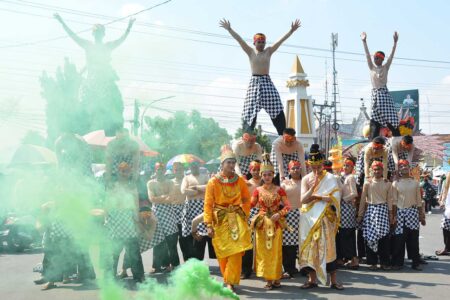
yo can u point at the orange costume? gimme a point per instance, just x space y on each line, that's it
227 205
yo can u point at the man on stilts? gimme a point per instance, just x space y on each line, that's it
261 92
383 110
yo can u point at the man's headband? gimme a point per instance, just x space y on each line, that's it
377 146
377 163
254 165
288 138
403 162
294 163
159 166
405 145
379 55
349 162
259 37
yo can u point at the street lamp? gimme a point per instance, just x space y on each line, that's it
145 109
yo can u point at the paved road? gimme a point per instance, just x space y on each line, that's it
432 283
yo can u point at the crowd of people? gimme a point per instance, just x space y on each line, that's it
276 220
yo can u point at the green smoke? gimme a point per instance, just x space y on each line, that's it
190 281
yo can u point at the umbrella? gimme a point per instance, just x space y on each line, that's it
99 139
185 159
28 154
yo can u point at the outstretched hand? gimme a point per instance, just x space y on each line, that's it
363 36
395 37
295 25
224 23
57 17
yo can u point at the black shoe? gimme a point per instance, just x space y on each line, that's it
423 261
40 281
417 268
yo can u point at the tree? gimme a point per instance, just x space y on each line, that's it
185 133
34 138
63 110
261 138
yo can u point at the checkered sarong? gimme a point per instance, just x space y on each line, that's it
118 159
348 215
159 236
375 224
290 238
407 217
445 223
167 220
57 230
121 224
383 110
286 159
178 210
193 208
244 163
261 93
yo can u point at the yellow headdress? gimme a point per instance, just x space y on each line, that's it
227 153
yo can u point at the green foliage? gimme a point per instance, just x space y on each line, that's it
261 139
185 133
63 110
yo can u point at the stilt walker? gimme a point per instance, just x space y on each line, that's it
261 92
383 110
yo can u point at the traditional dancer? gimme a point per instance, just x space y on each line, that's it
253 183
261 92
227 203
292 186
401 146
376 150
121 218
160 193
346 237
445 225
383 110
408 213
319 222
246 150
284 149
269 224
376 210
194 186
99 93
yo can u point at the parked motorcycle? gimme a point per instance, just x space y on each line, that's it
18 233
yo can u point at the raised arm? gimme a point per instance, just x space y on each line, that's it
294 26
119 41
391 56
366 50
226 24
81 42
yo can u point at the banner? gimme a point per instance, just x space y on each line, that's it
407 104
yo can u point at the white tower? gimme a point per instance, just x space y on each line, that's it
299 109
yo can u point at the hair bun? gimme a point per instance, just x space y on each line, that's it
314 148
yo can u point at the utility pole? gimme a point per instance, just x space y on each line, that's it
136 123
323 115
334 44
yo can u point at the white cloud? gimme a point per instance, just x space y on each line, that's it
446 80
132 8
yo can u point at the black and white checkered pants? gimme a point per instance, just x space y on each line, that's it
286 159
166 225
375 224
383 109
178 210
261 93
244 163
348 215
193 208
290 238
445 223
407 217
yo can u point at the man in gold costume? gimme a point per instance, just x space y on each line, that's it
227 205
319 221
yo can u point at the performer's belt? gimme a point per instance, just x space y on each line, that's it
260 75
231 212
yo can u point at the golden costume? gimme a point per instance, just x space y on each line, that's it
269 235
319 222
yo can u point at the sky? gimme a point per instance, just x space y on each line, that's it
177 51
